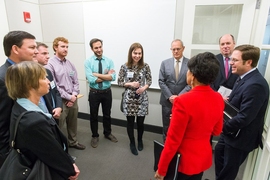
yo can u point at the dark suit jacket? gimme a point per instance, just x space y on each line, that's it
221 78
39 137
167 82
6 104
250 96
53 93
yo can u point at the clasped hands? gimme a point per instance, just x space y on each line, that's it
70 103
171 99
136 85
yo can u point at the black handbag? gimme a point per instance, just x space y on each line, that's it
18 167
121 104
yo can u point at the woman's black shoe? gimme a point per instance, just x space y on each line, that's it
133 149
140 145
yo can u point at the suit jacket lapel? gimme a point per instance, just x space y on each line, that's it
241 82
183 69
221 61
172 66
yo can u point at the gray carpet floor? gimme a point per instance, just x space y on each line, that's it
114 161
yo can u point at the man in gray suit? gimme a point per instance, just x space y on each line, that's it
172 80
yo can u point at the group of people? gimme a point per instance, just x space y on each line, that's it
48 88
193 112
192 109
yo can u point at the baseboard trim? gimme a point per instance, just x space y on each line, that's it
122 123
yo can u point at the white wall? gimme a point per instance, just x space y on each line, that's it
15 9
68 19
3 30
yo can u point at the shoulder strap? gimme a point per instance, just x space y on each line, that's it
16 127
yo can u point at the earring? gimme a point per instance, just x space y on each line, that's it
191 83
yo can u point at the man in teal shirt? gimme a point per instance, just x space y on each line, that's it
99 73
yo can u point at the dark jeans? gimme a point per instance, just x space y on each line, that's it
130 127
105 99
181 176
227 160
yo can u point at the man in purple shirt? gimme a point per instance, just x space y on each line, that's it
66 79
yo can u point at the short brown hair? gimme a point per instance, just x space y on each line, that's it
92 41
249 52
22 77
40 44
15 38
56 40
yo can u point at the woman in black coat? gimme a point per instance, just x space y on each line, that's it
38 136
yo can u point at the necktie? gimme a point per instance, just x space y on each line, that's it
236 82
100 72
227 67
176 70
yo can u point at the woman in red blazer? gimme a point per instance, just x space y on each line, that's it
196 115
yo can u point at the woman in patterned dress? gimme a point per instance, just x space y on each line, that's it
135 77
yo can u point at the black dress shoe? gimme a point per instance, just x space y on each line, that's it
78 146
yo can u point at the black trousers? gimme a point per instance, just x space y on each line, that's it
166 113
105 99
130 127
181 176
227 160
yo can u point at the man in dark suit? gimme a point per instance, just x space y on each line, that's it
172 80
250 95
53 99
18 46
225 77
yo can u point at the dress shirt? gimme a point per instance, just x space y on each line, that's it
91 66
65 75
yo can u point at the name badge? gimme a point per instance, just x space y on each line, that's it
52 84
71 73
130 74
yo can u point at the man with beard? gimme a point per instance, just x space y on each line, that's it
66 79
100 72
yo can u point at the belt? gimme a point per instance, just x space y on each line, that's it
100 90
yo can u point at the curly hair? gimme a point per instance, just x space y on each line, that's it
204 67
56 41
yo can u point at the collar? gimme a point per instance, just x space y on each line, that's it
60 60
29 106
180 60
10 61
242 76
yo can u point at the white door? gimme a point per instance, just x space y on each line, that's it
205 21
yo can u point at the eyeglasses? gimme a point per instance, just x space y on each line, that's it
176 49
234 60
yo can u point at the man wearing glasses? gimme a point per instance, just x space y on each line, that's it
250 95
172 80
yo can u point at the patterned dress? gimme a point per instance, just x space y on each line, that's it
133 104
